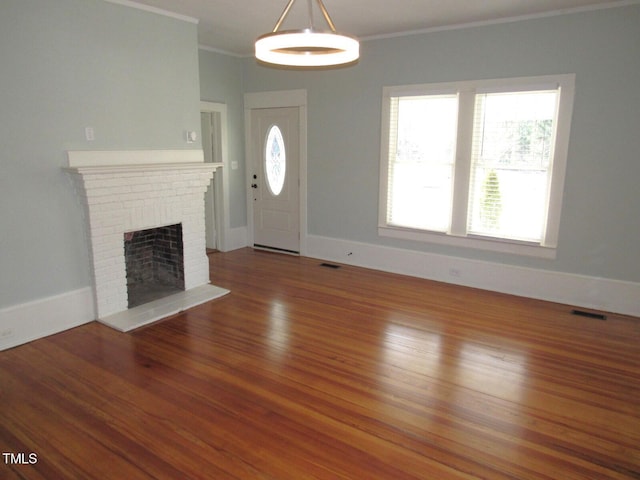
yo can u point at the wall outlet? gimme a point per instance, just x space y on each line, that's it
455 272
191 136
89 134
6 333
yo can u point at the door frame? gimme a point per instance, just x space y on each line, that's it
221 177
277 99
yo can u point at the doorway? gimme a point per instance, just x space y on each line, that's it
276 179
276 152
213 120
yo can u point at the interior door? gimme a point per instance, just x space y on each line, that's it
275 179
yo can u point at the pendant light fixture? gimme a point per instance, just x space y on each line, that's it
307 47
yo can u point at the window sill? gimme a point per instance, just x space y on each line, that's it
478 243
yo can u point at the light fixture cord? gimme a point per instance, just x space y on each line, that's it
323 9
283 16
326 16
310 6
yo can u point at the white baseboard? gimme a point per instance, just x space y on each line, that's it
578 290
235 238
29 321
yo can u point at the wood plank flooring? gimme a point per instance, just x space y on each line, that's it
307 372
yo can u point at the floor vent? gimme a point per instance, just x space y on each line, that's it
330 265
595 316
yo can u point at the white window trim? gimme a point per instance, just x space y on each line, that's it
466 91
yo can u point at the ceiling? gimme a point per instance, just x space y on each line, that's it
232 26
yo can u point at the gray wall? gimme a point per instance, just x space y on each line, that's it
600 227
68 64
221 81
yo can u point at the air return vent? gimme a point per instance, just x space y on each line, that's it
595 316
330 265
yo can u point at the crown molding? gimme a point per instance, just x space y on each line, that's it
158 11
207 48
517 18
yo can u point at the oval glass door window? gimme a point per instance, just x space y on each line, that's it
275 160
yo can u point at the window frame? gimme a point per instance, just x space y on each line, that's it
466 91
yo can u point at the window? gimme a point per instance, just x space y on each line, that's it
476 164
275 160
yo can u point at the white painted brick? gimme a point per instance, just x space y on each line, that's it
143 187
99 209
104 242
130 201
107 262
100 200
108 191
108 219
103 231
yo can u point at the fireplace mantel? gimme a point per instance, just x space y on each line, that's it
125 191
97 158
152 167
122 161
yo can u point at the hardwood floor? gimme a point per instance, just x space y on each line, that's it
308 372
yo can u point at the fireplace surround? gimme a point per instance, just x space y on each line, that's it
127 191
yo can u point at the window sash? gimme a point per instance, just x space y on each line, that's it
430 171
508 196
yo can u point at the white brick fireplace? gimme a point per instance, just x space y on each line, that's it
126 191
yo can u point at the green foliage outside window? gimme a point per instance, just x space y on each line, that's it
491 202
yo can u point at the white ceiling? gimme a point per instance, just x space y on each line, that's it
232 25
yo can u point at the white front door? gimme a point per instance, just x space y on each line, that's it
276 179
